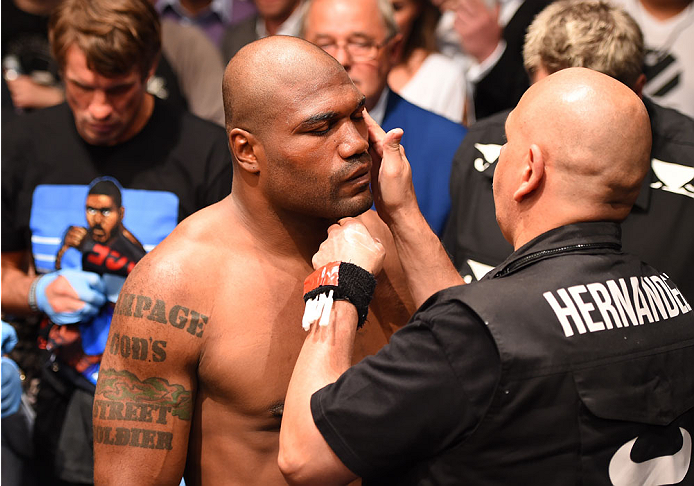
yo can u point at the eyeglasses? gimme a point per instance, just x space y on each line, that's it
359 50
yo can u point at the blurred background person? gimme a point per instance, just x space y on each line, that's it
668 33
598 35
273 17
210 16
422 75
30 74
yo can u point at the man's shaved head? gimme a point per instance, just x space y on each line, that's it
264 72
593 136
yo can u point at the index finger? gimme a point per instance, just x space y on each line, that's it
376 133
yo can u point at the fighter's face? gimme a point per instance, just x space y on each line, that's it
103 217
333 24
107 110
315 156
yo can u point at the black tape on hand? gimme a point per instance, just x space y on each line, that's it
337 281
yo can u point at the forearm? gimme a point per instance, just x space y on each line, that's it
305 457
15 290
426 265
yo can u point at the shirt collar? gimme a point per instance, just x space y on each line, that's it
220 8
562 239
378 112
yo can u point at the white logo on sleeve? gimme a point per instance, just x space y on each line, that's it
490 152
675 178
654 472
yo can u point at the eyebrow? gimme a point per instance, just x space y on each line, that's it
328 115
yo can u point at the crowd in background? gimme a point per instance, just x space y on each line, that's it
448 72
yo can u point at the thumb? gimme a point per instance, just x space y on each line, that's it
392 139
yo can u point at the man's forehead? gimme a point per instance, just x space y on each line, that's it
338 98
77 69
336 18
100 199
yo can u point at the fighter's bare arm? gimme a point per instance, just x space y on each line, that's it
425 263
145 394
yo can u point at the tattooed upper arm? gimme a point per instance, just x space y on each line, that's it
145 395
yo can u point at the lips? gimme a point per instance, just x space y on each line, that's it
101 127
362 175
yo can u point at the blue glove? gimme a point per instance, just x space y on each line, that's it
89 287
9 337
11 387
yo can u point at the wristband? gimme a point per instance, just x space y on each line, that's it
32 295
337 281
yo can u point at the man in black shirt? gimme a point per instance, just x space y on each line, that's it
567 364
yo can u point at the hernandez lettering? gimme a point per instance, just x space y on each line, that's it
616 304
156 310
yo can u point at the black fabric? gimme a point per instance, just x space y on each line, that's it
502 87
658 230
395 409
63 430
563 404
25 42
167 85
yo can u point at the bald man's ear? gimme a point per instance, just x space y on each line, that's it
242 144
533 172
640 83
395 46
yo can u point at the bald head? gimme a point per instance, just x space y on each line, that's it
264 73
592 136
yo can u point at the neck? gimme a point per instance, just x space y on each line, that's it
272 25
664 10
194 7
285 234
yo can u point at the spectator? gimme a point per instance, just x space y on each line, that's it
279 17
169 164
668 33
422 75
362 35
30 75
599 36
210 16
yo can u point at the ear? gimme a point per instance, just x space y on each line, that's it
395 45
639 84
533 172
242 144
121 213
153 68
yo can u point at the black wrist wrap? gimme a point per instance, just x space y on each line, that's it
354 285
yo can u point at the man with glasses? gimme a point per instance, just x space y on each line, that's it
363 36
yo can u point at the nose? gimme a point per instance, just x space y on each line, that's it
100 107
343 56
354 139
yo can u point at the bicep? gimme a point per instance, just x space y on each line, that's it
145 394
